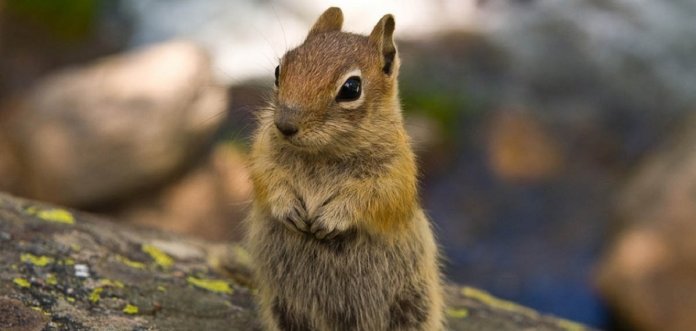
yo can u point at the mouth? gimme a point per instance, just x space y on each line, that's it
306 142
298 145
291 140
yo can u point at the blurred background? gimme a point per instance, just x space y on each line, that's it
556 139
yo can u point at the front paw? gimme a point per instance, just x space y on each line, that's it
293 214
328 225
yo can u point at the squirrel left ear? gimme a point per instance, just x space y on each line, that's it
383 36
330 20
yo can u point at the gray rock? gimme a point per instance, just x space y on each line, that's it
149 280
648 273
125 123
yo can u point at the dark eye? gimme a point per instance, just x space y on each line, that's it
277 74
350 90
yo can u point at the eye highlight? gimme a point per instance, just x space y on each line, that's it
350 90
277 74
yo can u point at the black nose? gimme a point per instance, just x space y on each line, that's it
287 129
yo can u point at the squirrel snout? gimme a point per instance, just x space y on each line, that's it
286 128
285 120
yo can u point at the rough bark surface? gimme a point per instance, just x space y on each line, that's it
66 270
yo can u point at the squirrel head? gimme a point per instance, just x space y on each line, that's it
336 89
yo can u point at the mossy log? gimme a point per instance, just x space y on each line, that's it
67 270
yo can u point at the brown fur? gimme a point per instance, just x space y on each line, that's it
336 230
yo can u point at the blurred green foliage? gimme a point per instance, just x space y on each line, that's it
66 20
446 107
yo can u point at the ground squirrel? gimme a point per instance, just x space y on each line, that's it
336 231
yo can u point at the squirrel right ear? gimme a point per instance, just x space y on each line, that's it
383 36
330 20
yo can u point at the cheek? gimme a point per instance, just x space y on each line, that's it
353 105
352 116
354 110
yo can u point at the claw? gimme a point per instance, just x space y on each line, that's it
297 224
298 221
332 234
291 225
321 234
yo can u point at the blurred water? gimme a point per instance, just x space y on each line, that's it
530 243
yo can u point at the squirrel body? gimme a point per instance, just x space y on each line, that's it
338 237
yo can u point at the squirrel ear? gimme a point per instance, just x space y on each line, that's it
383 36
330 20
